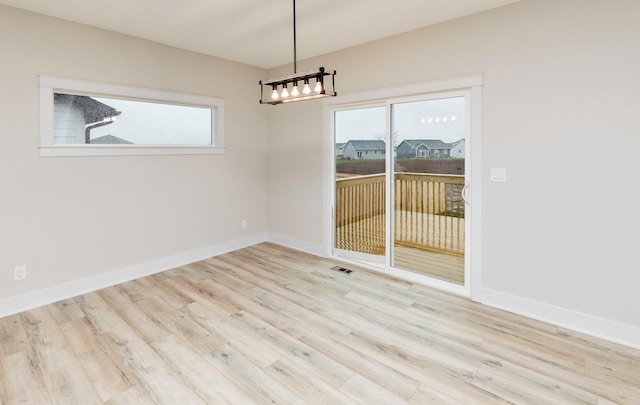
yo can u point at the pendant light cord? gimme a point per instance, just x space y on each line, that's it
295 64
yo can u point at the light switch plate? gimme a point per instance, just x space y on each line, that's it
19 273
499 174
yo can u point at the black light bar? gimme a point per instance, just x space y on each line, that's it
298 87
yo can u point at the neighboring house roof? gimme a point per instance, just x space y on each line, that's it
93 110
368 145
110 139
429 143
456 143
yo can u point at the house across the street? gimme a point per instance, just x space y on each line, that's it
423 148
372 149
457 149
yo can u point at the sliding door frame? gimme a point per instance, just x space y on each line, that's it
472 86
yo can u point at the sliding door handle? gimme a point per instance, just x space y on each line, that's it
465 193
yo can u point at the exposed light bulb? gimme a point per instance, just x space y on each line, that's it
285 92
294 90
306 89
318 87
453 118
275 95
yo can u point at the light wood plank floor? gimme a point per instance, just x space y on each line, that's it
271 325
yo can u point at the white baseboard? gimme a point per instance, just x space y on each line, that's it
591 325
580 322
293 243
24 302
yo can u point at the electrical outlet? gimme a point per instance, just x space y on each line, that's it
19 273
243 224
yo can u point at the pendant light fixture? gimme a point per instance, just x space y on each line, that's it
278 90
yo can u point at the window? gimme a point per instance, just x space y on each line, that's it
80 118
422 153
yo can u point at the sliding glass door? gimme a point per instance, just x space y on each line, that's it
428 172
360 182
400 182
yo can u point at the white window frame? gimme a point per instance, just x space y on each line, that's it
52 84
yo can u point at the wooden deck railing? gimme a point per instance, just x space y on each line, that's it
429 212
360 221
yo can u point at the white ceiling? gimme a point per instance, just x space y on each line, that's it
258 32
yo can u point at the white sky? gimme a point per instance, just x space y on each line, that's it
410 121
157 124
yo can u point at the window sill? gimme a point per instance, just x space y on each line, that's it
129 150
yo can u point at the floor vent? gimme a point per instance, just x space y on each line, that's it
342 269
